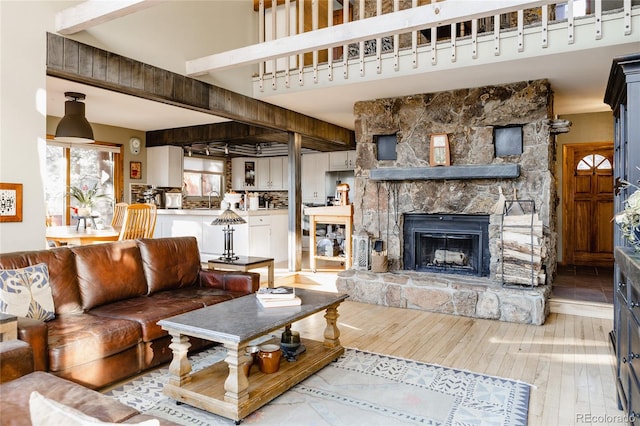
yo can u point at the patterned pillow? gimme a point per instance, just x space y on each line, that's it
26 292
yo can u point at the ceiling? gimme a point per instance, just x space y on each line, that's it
578 79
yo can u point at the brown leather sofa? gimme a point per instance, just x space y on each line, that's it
108 299
18 380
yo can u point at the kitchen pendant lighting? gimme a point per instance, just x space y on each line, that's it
74 127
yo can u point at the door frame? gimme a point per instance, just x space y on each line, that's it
566 170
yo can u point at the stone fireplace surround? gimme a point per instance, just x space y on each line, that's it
387 190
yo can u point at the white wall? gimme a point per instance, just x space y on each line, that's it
22 117
156 36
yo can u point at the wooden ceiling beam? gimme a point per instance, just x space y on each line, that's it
75 61
402 21
94 12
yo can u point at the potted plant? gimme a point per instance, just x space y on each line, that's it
86 198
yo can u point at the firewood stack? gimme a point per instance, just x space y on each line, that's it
523 250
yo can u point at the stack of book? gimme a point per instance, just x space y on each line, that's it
278 297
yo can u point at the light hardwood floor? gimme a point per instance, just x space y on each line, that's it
568 360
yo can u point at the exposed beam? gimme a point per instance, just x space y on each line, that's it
94 12
71 60
403 21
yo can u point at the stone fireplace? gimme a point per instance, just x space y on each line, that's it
441 225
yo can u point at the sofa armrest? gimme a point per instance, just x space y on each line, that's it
16 359
35 333
241 282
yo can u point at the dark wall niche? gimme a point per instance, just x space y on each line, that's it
386 146
507 140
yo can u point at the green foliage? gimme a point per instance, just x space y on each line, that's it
86 197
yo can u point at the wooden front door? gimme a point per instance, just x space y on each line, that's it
588 204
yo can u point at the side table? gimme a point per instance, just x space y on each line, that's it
244 264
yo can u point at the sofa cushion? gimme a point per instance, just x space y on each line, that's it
62 274
109 272
25 292
170 263
14 397
79 339
148 310
45 412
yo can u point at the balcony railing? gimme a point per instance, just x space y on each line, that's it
499 34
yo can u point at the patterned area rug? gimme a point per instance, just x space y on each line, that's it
359 388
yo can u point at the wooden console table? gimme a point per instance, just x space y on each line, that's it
330 215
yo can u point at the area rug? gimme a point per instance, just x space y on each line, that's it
360 388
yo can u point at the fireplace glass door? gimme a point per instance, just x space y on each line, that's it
446 243
449 253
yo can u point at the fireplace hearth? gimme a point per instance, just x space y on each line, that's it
447 243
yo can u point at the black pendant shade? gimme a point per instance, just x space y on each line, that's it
74 127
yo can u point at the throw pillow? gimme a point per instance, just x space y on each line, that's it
26 292
47 412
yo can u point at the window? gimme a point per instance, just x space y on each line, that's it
596 161
203 176
78 165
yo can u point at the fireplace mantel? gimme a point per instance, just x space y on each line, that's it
488 171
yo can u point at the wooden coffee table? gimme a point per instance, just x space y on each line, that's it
223 388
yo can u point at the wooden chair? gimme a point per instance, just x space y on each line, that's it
139 222
118 215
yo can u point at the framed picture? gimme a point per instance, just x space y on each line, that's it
135 170
10 202
439 150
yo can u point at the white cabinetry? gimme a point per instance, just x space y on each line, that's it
314 168
342 160
270 172
263 235
165 166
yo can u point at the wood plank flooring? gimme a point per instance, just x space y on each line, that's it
568 360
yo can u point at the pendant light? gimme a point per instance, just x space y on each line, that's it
74 127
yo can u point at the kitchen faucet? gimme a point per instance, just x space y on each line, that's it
211 193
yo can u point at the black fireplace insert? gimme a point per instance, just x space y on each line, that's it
447 243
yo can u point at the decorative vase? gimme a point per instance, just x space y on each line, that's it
84 211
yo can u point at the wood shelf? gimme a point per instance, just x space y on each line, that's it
205 389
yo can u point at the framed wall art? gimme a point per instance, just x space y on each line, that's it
10 202
439 150
135 169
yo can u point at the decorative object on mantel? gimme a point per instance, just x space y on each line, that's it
629 219
10 202
439 150
228 218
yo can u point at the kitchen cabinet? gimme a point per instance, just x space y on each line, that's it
262 235
165 166
243 174
314 169
270 173
342 160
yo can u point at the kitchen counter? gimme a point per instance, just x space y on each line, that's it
217 212
261 235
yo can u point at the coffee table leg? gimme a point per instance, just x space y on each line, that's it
180 366
331 332
237 384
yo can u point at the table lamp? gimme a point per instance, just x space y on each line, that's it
228 218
